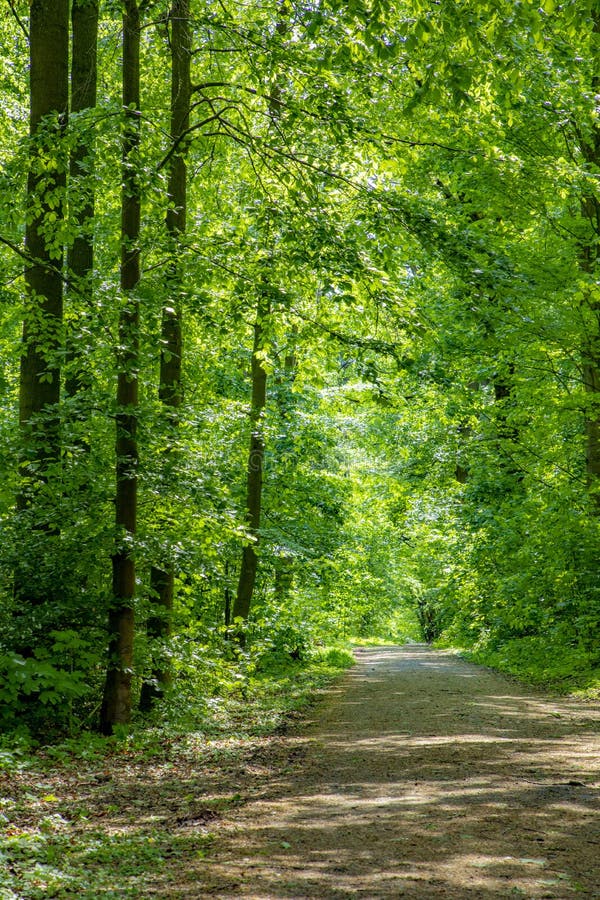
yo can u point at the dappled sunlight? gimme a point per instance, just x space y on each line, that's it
404 741
439 842
414 785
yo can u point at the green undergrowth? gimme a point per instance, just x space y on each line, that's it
543 660
146 802
273 692
383 642
262 699
254 694
373 642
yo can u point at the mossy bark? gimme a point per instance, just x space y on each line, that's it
80 258
117 700
162 577
46 185
254 474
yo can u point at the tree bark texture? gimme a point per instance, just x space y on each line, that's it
589 258
256 455
507 431
284 562
39 384
254 476
40 368
162 577
80 258
591 350
116 706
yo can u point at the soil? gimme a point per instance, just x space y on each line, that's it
419 776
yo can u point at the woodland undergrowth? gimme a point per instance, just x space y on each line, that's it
146 799
540 660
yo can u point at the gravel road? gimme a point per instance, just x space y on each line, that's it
420 776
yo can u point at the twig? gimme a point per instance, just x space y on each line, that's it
184 134
19 20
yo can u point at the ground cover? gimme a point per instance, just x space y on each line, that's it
91 817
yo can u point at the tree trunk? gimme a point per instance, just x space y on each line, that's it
254 477
284 561
35 584
256 455
228 598
591 377
116 705
170 388
80 259
40 367
507 432
589 258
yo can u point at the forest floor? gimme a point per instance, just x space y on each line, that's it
416 775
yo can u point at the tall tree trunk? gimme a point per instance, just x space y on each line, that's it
589 259
254 477
284 561
506 430
170 388
80 258
39 386
591 381
256 455
116 705
40 368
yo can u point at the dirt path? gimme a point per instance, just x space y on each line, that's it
421 776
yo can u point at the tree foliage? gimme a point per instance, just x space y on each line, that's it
387 214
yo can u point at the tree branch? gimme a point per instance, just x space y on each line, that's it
184 134
19 20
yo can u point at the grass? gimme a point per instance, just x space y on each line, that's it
104 818
64 863
545 661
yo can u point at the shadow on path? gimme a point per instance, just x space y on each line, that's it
423 776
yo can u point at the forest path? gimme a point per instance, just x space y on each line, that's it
421 776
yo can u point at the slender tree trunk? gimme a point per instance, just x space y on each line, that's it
589 260
228 598
591 381
591 376
256 455
116 706
284 562
40 368
507 431
170 388
254 476
80 259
